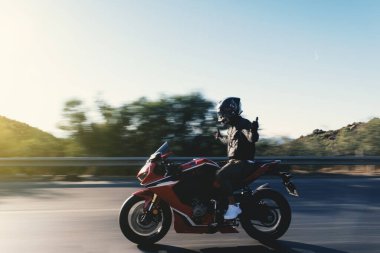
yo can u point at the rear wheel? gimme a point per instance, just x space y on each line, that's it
267 216
142 227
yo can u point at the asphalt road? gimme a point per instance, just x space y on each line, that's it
333 215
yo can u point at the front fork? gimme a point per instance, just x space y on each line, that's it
151 202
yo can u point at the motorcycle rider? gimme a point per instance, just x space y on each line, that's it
240 140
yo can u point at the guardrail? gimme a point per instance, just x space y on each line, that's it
138 161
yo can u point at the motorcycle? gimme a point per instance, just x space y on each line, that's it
186 192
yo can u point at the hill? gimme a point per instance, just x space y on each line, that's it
358 138
19 139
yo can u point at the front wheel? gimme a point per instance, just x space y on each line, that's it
142 227
267 216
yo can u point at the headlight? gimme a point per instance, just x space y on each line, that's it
142 176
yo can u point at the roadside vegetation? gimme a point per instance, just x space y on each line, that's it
138 128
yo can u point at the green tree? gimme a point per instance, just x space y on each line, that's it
138 128
74 123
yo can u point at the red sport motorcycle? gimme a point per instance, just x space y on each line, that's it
186 193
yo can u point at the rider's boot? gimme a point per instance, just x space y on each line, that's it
232 212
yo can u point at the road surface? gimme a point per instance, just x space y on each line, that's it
333 215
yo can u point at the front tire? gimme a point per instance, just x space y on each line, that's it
267 216
140 228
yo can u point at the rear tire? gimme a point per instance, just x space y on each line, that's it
144 231
267 216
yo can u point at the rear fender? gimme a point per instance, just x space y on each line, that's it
249 204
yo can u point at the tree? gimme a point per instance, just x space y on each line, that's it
74 115
138 128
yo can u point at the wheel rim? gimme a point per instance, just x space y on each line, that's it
270 218
142 224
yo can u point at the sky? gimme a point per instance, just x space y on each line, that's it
297 65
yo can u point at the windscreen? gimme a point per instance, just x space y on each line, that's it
163 149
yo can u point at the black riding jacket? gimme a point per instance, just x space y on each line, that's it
240 140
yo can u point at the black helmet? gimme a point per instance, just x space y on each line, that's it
228 109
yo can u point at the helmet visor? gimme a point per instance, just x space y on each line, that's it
223 118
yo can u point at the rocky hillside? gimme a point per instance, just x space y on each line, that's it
20 139
354 139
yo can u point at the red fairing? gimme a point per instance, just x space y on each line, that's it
182 226
167 194
188 165
147 175
197 162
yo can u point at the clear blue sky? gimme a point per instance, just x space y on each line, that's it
298 65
